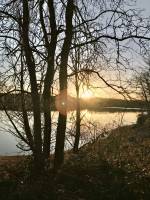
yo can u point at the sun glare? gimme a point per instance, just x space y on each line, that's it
87 94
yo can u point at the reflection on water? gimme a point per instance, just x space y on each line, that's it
105 118
95 121
96 124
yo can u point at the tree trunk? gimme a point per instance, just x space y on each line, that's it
61 129
50 47
38 158
78 120
60 138
24 111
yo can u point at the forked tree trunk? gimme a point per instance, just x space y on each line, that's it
38 157
50 47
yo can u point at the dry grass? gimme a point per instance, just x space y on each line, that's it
117 167
125 147
12 167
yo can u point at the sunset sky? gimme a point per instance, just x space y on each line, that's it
109 93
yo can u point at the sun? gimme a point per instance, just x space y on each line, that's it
87 94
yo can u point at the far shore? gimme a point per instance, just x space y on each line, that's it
97 109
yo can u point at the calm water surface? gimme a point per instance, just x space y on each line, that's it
100 120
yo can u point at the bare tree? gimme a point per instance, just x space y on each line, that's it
37 39
141 82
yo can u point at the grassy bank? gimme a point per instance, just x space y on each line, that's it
117 167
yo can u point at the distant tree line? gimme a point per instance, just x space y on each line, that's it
99 103
14 102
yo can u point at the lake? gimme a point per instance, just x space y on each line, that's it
94 121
